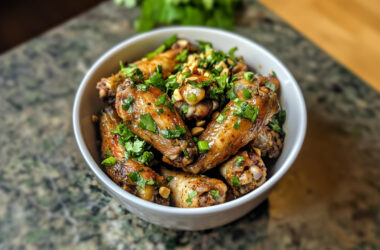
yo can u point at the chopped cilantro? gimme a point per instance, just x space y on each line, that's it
173 133
270 86
200 85
220 119
169 178
231 93
189 199
203 146
108 162
185 74
150 182
146 158
162 100
274 73
249 76
134 146
195 139
240 160
182 56
231 53
237 124
215 194
160 111
171 82
156 79
139 180
187 156
142 87
204 46
131 71
235 181
127 104
147 123
246 94
243 109
184 109
108 152
179 66
166 45
124 132
277 122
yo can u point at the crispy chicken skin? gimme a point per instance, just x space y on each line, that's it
145 103
119 172
244 177
107 85
268 142
208 191
223 139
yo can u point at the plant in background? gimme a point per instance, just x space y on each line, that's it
215 13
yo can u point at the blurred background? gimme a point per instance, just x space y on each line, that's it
348 30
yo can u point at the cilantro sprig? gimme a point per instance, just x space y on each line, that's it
133 145
173 133
139 180
277 122
166 45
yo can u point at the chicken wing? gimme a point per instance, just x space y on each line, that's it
107 85
192 191
132 176
152 117
226 136
244 172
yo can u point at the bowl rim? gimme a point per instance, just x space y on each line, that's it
105 180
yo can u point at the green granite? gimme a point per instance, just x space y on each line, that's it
49 198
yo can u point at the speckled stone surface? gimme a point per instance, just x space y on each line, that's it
330 199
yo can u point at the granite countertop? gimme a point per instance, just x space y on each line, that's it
330 199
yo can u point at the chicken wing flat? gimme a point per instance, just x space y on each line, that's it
226 135
131 175
244 172
167 60
151 116
189 191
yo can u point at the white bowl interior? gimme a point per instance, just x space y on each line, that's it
87 102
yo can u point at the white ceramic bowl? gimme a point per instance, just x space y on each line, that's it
87 103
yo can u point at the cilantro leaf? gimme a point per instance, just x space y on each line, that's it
108 162
162 100
235 181
246 94
127 104
182 56
107 153
173 133
190 197
156 79
147 123
215 194
240 160
243 109
166 45
139 180
146 158
277 122
270 86
237 124
249 76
